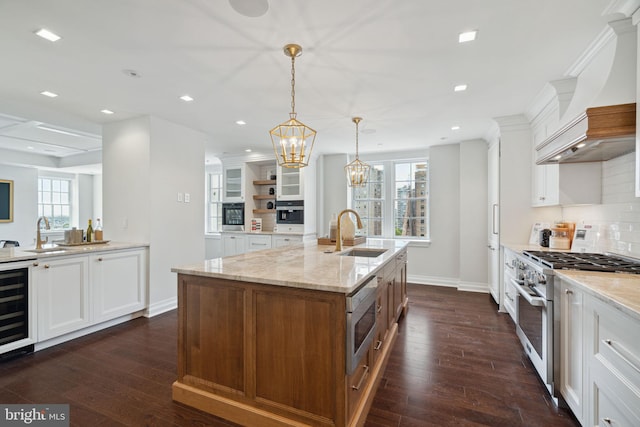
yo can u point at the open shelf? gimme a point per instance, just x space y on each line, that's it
264 197
265 182
264 211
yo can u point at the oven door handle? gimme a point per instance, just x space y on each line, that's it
535 301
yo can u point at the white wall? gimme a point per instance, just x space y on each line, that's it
25 205
439 263
333 194
146 162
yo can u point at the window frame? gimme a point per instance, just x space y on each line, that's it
70 201
390 198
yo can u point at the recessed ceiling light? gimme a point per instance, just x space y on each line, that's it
248 150
46 34
49 94
558 157
30 148
241 122
455 127
186 98
467 36
106 111
460 88
582 144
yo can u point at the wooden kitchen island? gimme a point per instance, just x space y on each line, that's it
262 336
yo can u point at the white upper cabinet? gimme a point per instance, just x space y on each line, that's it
233 184
290 184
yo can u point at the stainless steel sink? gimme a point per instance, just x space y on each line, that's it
46 250
364 252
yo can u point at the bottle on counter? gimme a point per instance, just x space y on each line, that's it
89 232
333 226
97 233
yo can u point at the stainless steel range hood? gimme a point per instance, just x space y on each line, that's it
598 134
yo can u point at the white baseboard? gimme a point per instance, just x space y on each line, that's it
161 307
449 283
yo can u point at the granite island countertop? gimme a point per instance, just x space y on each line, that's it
21 253
308 266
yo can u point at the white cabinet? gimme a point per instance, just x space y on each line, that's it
572 343
614 366
233 184
233 244
258 242
494 220
545 185
118 282
286 240
290 184
62 287
510 291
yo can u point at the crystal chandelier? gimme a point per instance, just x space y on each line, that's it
292 140
357 171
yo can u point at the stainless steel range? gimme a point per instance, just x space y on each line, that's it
537 317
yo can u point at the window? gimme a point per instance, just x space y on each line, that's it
406 185
214 205
410 202
368 201
54 201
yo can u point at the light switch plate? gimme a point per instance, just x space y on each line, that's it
179 197
187 197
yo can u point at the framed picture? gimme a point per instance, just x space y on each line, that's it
6 200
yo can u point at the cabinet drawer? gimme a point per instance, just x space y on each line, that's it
616 341
357 383
614 404
257 243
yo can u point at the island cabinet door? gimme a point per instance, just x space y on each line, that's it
211 335
300 354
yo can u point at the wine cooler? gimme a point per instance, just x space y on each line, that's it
14 311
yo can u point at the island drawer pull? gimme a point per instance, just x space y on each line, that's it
379 309
624 354
46 266
378 345
364 376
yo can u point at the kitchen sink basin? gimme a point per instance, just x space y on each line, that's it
46 250
364 252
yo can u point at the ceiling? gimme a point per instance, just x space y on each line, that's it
394 63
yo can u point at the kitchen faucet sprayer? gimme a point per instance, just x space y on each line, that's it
339 233
39 240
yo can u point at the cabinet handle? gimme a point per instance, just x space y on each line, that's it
379 309
568 291
35 264
286 240
232 237
494 219
364 376
624 354
607 420
46 266
378 345
542 198
100 259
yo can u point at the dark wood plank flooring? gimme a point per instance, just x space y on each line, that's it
455 362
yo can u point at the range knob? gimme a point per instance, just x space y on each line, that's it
542 279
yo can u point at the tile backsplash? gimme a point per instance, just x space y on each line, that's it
619 214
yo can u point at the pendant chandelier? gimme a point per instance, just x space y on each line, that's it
292 140
357 171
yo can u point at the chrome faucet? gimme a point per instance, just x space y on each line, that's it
39 241
338 233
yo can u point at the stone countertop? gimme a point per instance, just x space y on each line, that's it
619 290
310 266
52 250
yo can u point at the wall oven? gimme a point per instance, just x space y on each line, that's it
361 322
17 330
290 212
233 216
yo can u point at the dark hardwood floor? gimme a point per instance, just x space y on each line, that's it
455 362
